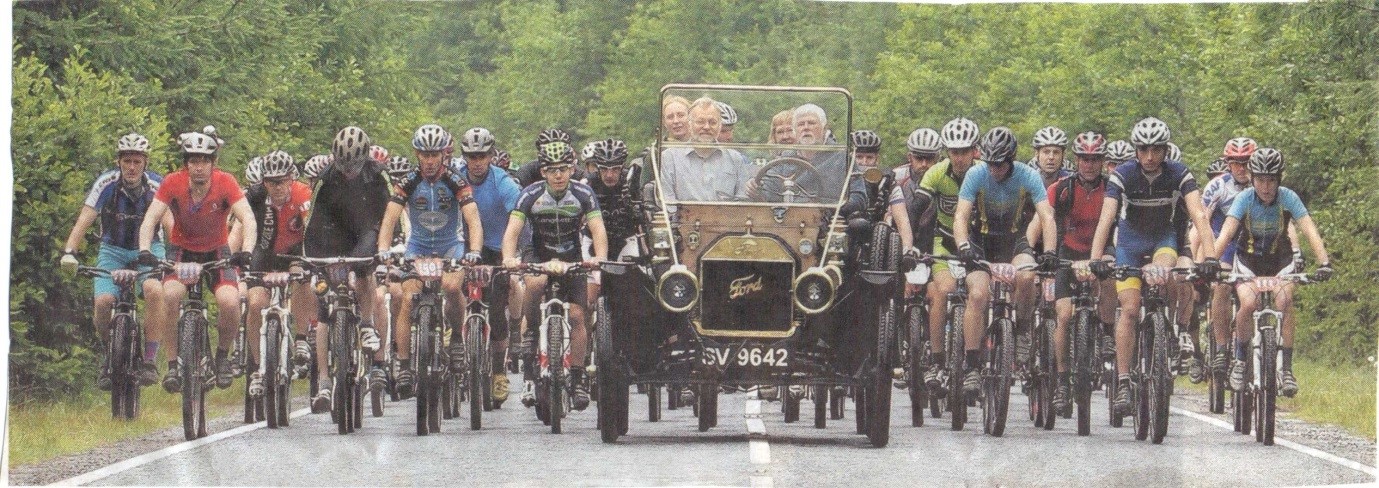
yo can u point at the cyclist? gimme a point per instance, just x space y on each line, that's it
346 213
1117 153
1002 193
725 133
503 160
119 198
618 194
282 206
923 147
436 201
940 186
1077 202
1257 223
867 147
557 210
1215 169
530 173
1217 198
200 198
1141 202
495 193
314 168
1050 147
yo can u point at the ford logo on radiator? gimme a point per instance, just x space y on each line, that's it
743 286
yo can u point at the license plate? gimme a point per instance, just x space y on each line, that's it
753 356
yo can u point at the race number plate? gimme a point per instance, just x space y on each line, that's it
753 356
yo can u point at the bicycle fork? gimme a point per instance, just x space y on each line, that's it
553 308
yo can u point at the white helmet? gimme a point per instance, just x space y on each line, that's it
728 115
1050 136
197 143
317 165
924 141
476 140
1174 154
351 145
960 133
211 131
132 142
431 137
253 172
1149 132
587 152
277 164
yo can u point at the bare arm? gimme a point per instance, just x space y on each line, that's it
389 228
961 217
1109 206
471 223
1035 231
1047 228
1228 230
149 227
84 220
236 236
1199 219
245 215
1314 237
600 237
901 216
511 236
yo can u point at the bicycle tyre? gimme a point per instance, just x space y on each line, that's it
820 406
1048 377
957 397
879 415
555 353
1144 352
1084 367
189 355
342 352
1160 379
422 362
439 377
919 359
860 401
474 336
272 341
120 356
1268 371
610 386
998 399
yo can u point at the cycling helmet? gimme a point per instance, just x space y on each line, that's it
378 153
998 146
960 133
555 154
924 141
134 143
431 137
1266 161
587 152
726 111
1090 143
1120 150
398 167
197 143
1050 136
609 152
865 141
351 144
1174 154
476 140
551 135
1149 132
316 165
1217 167
277 164
211 131
253 172
502 159
1239 148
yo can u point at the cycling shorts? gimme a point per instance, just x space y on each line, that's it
228 276
1137 251
113 257
1000 248
415 249
1263 265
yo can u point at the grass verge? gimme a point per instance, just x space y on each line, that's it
40 432
1343 396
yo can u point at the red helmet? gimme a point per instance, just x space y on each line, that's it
1090 143
378 153
1239 148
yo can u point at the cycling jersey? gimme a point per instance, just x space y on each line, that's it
433 206
620 207
1076 211
1051 178
200 226
347 213
942 187
122 209
281 228
556 220
1264 227
1217 198
1149 206
1002 207
496 196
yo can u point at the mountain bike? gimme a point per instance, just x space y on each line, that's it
1040 372
1084 356
955 306
553 346
194 362
1262 368
429 333
275 345
998 350
124 351
915 356
1151 375
347 364
475 331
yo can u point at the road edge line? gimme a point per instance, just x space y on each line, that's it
142 459
1310 451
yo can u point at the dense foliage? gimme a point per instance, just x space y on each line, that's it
280 74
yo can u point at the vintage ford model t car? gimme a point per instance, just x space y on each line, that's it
756 276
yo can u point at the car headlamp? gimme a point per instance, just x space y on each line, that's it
678 289
814 290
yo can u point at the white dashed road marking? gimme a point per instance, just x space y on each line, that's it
758 451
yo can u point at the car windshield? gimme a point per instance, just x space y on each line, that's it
780 145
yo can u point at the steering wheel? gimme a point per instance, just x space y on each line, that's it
789 187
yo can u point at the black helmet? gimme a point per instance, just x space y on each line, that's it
998 146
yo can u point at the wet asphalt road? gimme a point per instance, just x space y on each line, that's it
515 449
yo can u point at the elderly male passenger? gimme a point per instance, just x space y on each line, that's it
704 172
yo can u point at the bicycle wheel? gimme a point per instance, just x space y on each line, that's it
1144 353
439 377
704 400
119 353
555 352
1048 378
1268 378
610 385
342 359
998 395
919 358
1160 379
190 354
860 397
957 398
1084 369
879 414
284 390
474 337
272 341
424 374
